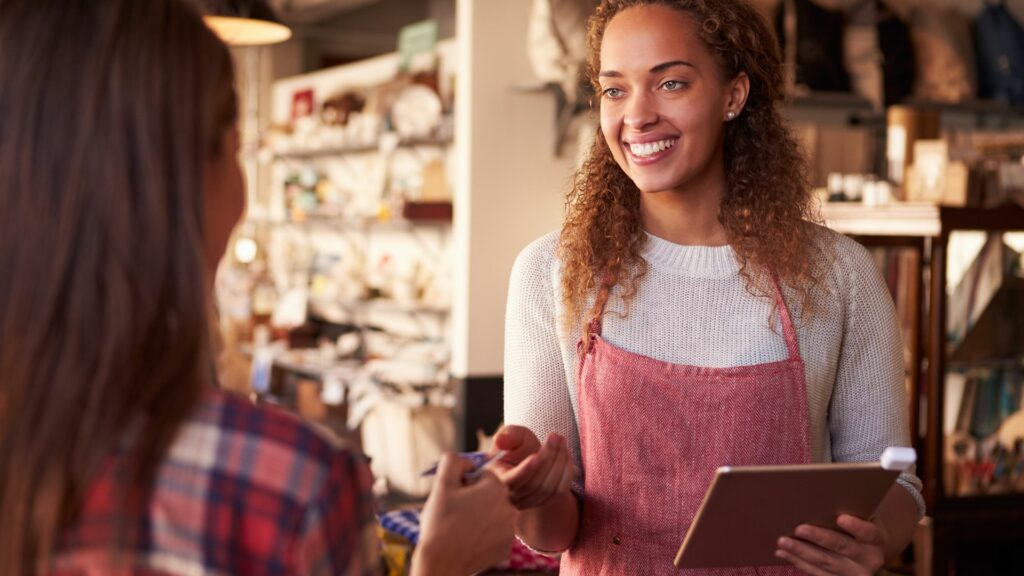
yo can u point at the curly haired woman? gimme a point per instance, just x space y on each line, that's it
690 315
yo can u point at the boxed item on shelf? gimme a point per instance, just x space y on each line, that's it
933 177
441 211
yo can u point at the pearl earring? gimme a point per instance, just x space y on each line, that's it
731 115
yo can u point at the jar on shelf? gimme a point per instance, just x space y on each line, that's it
264 297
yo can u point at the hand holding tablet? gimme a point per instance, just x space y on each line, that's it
748 508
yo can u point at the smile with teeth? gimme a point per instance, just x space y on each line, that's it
651 148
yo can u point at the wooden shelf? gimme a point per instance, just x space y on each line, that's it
386 305
849 109
310 366
328 151
922 220
838 108
1006 217
346 223
352 310
901 219
975 113
1010 503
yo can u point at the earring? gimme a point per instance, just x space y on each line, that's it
731 115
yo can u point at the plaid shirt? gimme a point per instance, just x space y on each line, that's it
243 490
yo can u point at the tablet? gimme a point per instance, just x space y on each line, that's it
747 508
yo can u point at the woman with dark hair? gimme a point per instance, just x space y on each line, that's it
119 186
690 315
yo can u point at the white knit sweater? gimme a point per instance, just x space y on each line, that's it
692 307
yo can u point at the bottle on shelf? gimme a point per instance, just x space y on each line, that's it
264 296
262 363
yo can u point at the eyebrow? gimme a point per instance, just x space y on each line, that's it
654 70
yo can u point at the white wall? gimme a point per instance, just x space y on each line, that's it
509 188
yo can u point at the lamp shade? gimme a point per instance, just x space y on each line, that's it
244 22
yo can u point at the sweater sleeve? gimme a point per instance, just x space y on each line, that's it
537 390
869 410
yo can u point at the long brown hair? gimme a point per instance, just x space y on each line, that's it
767 197
109 112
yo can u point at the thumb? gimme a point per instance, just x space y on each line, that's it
451 469
512 438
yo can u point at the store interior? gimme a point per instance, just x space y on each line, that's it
400 153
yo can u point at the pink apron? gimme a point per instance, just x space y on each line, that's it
652 434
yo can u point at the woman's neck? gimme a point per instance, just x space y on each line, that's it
686 218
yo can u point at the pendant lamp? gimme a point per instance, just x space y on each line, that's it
244 22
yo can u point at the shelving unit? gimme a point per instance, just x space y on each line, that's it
356 213
351 233
956 519
841 108
856 111
423 241
335 151
356 311
903 219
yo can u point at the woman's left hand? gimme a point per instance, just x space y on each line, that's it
855 550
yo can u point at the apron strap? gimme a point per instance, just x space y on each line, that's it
788 331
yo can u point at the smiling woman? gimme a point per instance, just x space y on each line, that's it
690 314
663 102
704 61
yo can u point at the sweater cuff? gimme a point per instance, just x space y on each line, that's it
914 493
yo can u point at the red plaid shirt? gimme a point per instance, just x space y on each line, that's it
243 490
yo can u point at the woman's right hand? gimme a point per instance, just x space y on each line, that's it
464 528
533 472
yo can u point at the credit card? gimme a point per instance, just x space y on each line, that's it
479 460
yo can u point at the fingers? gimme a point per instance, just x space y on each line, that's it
830 540
526 471
801 564
533 472
809 558
817 550
509 437
498 516
518 441
864 545
464 529
863 530
450 470
489 487
542 475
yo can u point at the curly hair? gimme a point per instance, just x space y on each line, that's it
767 201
